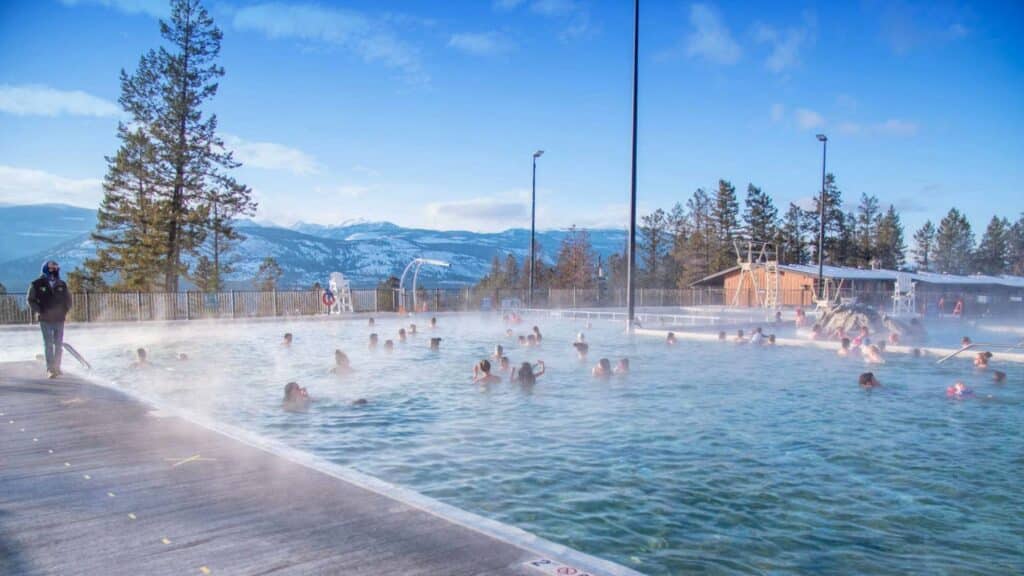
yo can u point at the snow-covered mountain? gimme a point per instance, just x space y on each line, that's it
366 252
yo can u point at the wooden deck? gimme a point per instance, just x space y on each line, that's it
94 482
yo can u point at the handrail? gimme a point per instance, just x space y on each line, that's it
978 345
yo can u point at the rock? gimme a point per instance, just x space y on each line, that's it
851 317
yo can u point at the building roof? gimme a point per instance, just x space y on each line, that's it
849 273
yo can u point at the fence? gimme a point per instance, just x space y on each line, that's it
144 306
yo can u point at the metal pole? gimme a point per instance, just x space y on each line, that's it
533 225
631 258
821 223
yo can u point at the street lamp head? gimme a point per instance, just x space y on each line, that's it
538 153
822 138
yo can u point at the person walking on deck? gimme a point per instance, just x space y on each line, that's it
50 299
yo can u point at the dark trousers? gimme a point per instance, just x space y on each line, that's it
53 343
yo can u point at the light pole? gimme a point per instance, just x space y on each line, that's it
821 220
631 257
533 224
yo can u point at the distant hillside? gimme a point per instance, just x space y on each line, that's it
26 230
366 252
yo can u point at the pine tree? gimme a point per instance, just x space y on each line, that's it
760 216
510 272
846 244
888 245
837 236
924 245
695 255
792 248
268 274
653 247
675 261
993 253
167 187
575 265
725 219
1016 242
868 220
954 244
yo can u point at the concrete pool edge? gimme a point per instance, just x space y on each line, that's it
832 346
499 531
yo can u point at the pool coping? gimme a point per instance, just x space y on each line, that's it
507 533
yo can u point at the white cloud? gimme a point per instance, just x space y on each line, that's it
371 39
270 156
896 127
478 213
481 43
37 100
155 8
27 186
778 112
849 128
808 119
785 45
710 39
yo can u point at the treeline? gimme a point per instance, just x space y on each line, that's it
698 237
168 197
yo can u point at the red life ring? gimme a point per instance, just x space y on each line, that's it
327 298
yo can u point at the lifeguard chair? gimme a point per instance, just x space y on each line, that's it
904 302
342 294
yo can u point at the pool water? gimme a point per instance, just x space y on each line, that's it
708 457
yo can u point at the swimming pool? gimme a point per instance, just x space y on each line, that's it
708 457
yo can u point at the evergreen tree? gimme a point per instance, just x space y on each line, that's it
695 255
675 261
1016 242
510 273
760 216
868 220
168 186
846 245
653 247
837 237
725 219
954 244
268 274
924 245
792 248
889 246
993 254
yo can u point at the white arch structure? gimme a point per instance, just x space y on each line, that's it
417 262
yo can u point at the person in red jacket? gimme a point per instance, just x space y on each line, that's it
50 299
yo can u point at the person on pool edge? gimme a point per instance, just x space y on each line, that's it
50 299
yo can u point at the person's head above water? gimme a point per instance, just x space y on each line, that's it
721 335
292 390
623 366
504 362
845 343
433 321
498 350
581 348
531 339
287 339
999 376
868 380
603 368
484 366
141 354
340 358
965 341
401 333
389 345
373 340
370 321
671 338
435 344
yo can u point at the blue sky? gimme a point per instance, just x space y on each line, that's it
427 113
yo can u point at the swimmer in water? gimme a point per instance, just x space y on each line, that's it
522 340
581 337
757 337
482 373
508 332
999 376
581 349
622 367
872 355
740 339
140 359
778 317
370 322
401 335
412 329
771 339
287 342
373 341
341 364
671 338
435 344
504 365
894 338
844 348
527 374
389 345
916 352
498 351
296 398
868 380
536 334
721 336
965 342
816 333
433 322
959 390
531 340
603 369
182 357
360 402
981 359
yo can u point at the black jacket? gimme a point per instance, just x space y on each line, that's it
52 304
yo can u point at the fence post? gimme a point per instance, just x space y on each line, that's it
273 294
138 306
188 305
87 318
232 303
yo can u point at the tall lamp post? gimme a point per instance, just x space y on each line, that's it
631 257
533 224
821 220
